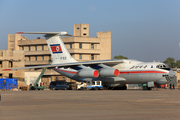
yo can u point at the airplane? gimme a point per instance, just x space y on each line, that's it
112 72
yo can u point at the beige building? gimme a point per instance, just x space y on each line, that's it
12 59
80 45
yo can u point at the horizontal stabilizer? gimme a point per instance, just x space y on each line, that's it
63 33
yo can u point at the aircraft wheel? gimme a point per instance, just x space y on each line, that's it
149 88
125 87
96 88
105 88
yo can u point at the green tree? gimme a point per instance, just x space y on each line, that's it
120 57
170 62
178 63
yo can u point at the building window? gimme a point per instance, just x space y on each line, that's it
35 58
49 58
29 48
178 81
80 45
92 46
84 28
70 45
80 56
29 58
77 28
10 75
1 65
42 58
84 33
35 48
42 47
92 56
22 47
1 75
10 64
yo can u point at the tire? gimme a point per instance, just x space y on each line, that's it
106 88
149 88
96 88
125 87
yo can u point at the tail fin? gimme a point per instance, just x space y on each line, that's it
58 50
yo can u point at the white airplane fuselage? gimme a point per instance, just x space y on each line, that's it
130 72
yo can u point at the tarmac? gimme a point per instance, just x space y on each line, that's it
162 104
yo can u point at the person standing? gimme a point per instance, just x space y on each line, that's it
173 87
170 86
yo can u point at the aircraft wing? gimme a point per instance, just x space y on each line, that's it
110 62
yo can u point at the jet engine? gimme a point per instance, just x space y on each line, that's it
87 73
109 72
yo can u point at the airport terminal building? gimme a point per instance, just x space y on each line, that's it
35 52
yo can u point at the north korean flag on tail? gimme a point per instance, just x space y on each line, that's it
56 48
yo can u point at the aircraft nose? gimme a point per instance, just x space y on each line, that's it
171 74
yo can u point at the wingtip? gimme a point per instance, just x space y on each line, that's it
6 69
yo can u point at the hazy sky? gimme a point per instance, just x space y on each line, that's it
144 30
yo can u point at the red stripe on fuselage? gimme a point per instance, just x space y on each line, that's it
136 72
66 71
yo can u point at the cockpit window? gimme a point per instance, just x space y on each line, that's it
163 66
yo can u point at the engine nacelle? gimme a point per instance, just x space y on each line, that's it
107 72
162 82
87 73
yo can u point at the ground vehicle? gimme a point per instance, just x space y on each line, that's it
60 85
94 85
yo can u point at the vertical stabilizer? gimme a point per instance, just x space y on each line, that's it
58 50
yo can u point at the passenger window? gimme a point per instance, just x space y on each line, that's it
137 67
145 66
132 67
140 66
